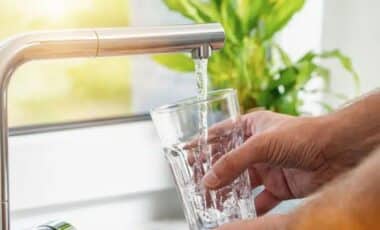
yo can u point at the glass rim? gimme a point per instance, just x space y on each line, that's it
212 96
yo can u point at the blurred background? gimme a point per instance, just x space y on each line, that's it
68 90
115 176
71 90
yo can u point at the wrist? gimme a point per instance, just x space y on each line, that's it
355 198
354 129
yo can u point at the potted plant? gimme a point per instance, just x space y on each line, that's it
252 61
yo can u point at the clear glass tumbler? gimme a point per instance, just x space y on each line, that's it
192 144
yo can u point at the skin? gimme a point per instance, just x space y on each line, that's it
356 204
294 157
342 204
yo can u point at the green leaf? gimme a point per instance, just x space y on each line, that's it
187 9
288 103
325 74
217 3
177 62
309 56
207 11
280 14
230 21
294 77
287 78
283 55
249 12
305 71
346 63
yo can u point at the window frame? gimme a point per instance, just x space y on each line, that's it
87 123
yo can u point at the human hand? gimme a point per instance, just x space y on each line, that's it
290 156
356 200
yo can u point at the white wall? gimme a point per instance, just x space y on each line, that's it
353 27
304 31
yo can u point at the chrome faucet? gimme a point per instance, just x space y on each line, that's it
197 39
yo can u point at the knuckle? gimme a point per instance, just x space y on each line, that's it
274 151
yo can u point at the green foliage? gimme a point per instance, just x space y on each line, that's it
251 61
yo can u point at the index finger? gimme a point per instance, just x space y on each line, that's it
234 163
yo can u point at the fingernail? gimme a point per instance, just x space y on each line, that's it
211 180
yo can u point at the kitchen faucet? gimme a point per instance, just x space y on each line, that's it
199 40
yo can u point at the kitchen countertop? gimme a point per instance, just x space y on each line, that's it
284 207
167 225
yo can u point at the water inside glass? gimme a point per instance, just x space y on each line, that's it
206 209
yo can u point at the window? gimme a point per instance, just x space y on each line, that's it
57 91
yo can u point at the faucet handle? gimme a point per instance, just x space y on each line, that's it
56 225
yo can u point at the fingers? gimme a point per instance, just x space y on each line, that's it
265 201
232 164
275 222
213 132
255 177
215 149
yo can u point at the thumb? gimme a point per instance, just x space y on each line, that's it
232 164
275 222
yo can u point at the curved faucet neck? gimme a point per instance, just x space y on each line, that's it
91 43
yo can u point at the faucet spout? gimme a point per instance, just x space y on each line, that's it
159 39
198 39
202 52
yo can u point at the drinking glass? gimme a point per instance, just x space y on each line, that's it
195 133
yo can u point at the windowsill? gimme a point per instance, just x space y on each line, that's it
89 123
84 164
152 210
